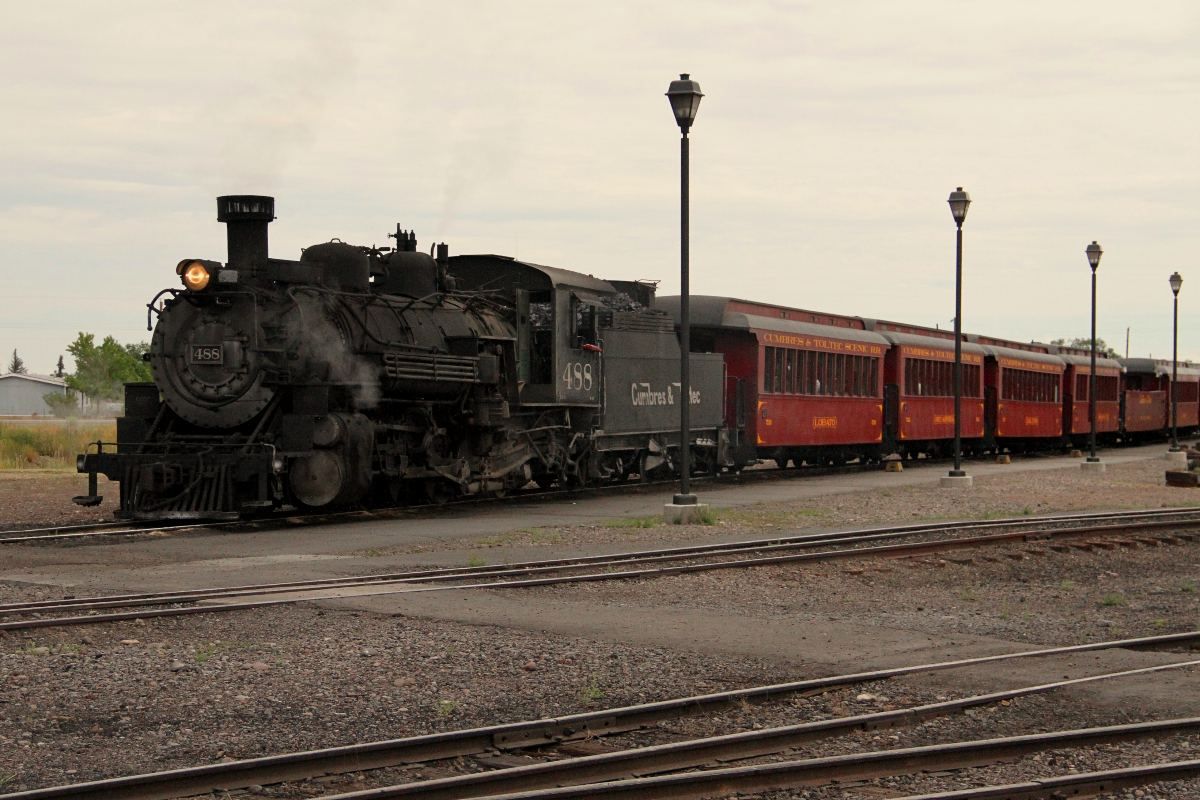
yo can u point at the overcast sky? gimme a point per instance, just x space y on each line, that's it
828 140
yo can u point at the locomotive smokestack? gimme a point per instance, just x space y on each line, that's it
246 217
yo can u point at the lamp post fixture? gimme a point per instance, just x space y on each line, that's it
959 201
1093 253
684 95
1176 281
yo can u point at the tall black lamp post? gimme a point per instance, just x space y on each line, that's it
959 201
1093 252
1176 284
684 95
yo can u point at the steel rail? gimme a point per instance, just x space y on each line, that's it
268 522
385 512
807 539
802 540
29 535
1081 784
323 592
376 755
543 566
86 526
131 529
318 517
812 771
657 759
34 535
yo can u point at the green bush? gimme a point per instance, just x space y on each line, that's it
62 405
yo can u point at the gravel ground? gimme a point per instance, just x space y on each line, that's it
33 497
115 699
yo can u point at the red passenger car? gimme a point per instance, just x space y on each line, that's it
1188 400
802 386
919 392
1144 398
1147 398
1077 422
1023 396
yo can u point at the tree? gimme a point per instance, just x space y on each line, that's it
62 405
102 370
16 364
61 369
1085 343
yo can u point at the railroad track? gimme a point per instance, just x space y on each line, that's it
64 532
536 735
124 529
1139 528
826 771
72 534
1079 785
834 770
127 530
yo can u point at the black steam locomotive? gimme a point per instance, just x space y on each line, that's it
364 374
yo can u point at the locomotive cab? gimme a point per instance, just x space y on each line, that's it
596 355
556 315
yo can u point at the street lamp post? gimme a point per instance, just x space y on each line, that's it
684 95
1093 253
1176 281
959 201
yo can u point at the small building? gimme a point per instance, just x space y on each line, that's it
22 394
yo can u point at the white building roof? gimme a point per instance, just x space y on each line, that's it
46 379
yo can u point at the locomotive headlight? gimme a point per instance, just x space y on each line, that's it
195 275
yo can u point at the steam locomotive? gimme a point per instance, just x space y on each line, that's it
383 374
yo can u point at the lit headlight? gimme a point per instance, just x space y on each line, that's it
195 275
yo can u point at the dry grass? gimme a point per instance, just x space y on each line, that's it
49 445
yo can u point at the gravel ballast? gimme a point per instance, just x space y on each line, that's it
122 698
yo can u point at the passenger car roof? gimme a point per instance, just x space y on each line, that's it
1152 366
739 321
708 311
1086 361
934 342
1023 355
